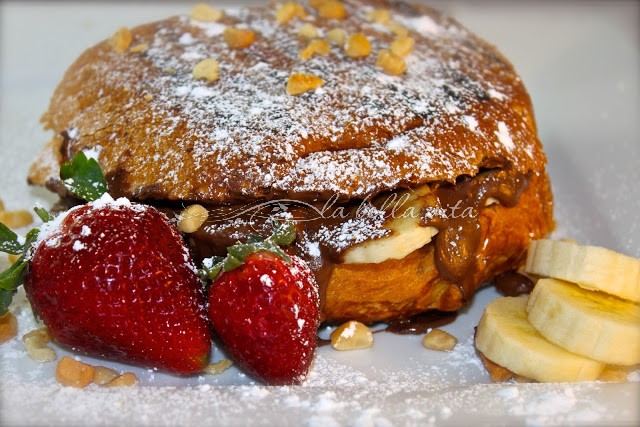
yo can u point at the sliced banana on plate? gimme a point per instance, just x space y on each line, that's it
593 324
591 267
506 337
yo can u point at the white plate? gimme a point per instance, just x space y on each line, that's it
580 62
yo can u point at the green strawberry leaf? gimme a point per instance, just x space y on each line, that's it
9 241
83 177
211 267
10 280
13 244
13 277
43 214
5 300
284 234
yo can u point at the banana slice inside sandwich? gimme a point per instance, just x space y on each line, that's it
506 337
592 324
591 267
407 235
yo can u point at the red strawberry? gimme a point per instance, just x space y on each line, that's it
114 279
266 314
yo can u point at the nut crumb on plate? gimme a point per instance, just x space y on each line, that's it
128 379
8 327
73 373
218 367
103 375
351 335
439 340
35 343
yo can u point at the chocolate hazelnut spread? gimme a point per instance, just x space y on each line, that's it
512 284
457 220
420 324
326 230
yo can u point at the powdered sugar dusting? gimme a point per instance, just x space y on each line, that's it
361 133
504 137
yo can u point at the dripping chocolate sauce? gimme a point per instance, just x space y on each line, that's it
458 221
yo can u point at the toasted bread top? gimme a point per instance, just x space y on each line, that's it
161 134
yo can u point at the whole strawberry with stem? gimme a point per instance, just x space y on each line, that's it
114 279
263 304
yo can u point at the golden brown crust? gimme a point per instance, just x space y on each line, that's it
164 135
397 289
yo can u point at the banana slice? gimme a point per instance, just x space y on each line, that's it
592 324
407 235
591 267
506 337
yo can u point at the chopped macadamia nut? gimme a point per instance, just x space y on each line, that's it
121 40
148 97
207 69
103 375
358 46
332 10
299 83
237 38
337 36
317 3
391 63
288 11
308 30
139 48
192 218
16 219
320 47
398 29
128 379
36 344
351 335
379 16
402 46
204 13
8 327
218 367
439 340
72 373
